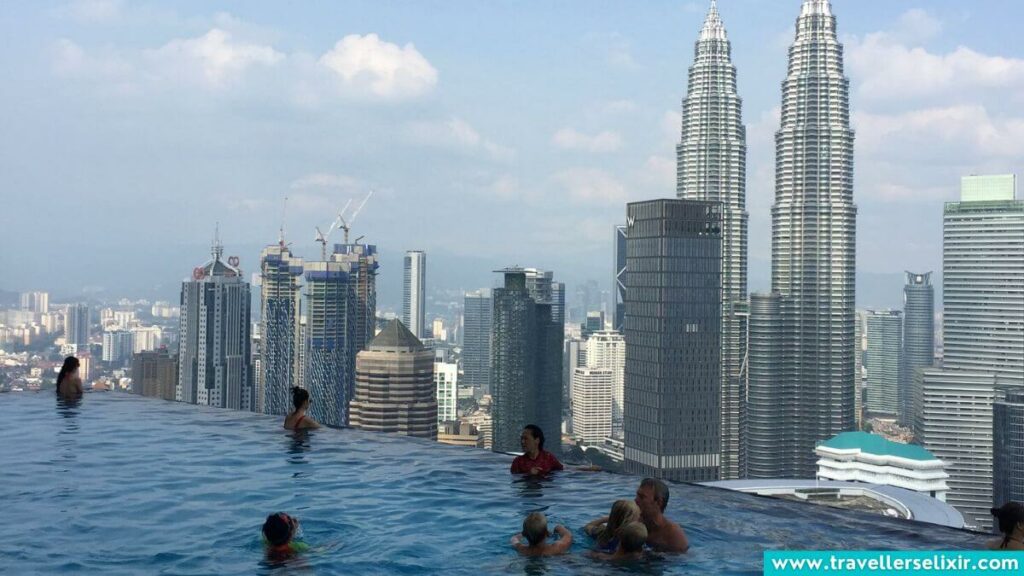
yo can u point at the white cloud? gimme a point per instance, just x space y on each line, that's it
570 139
916 26
215 57
591 186
456 133
366 63
960 133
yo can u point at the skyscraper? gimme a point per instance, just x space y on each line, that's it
214 343
415 291
394 389
280 309
673 338
543 288
885 353
606 350
813 257
476 341
155 374
1008 448
38 302
983 337
446 381
526 367
362 262
593 324
711 164
918 337
591 405
118 346
619 278
77 325
329 340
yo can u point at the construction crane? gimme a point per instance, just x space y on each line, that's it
321 237
346 225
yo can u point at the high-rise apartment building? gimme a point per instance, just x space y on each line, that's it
885 353
446 381
329 338
591 405
606 350
394 390
77 325
813 257
415 292
155 374
118 347
363 264
673 340
38 302
918 337
543 288
214 347
983 338
280 309
526 366
1008 448
476 341
711 165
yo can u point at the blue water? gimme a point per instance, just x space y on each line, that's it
129 485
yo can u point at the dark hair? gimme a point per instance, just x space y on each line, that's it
660 490
1009 515
536 432
299 396
70 365
277 530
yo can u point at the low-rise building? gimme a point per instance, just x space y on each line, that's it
869 458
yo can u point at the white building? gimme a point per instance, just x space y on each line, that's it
870 458
446 379
147 338
592 404
117 346
606 350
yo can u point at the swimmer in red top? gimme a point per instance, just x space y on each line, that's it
535 461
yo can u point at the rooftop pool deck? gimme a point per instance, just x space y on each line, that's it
121 484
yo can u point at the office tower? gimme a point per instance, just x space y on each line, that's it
711 165
918 337
526 365
38 302
606 350
983 334
858 369
544 289
413 303
155 374
591 405
619 278
476 341
1008 448
394 390
118 347
813 256
328 340
214 349
574 355
593 324
77 325
673 338
446 382
363 263
885 352
280 309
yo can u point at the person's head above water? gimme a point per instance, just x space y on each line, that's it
652 493
279 529
623 512
1010 517
69 366
632 537
300 397
535 528
532 438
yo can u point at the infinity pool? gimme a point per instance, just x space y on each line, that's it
129 485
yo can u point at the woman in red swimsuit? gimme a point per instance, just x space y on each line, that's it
297 419
535 461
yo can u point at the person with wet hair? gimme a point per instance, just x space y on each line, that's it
605 530
535 532
630 546
279 532
1010 517
297 419
535 461
663 535
69 384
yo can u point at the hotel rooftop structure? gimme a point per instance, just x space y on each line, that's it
869 458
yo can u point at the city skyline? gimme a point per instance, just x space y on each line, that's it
636 101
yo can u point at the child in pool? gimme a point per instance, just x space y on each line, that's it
631 538
605 530
279 536
535 530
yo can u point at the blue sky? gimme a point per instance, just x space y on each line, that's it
492 133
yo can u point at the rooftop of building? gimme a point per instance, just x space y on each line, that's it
875 444
395 335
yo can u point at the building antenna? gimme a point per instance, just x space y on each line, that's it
284 215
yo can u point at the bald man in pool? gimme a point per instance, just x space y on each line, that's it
663 535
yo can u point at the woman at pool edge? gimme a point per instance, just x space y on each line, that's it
69 385
535 461
297 419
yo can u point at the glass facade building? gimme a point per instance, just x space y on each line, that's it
619 278
329 334
672 397
885 353
415 292
1008 448
280 303
918 337
476 341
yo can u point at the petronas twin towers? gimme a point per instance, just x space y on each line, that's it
787 364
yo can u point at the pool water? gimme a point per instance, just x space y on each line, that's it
128 485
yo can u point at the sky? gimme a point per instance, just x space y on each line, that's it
492 133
